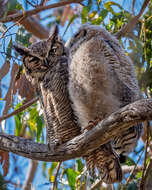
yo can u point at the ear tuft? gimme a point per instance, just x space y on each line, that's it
54 33
20 49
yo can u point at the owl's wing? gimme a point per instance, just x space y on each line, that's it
128 91
58 105
42 93
124 71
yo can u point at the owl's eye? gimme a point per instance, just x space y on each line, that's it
80 34
57 49
33 59
54 49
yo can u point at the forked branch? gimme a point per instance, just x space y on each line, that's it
104 131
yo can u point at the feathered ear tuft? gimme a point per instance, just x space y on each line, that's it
54 33
21 50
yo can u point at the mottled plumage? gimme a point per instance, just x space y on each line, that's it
101 80
45 64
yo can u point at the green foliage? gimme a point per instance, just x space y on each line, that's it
51 171
9 49
79 165
130 162
138 45
132 186
22 37
35 123
19 121
3 184
71 176
13 5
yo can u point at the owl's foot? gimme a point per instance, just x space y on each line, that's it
92 124
51 147
54 145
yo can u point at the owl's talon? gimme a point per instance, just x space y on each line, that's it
92 124
51 147
88 127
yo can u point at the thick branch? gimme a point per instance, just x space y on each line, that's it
33 25
24 15
104 131
132 22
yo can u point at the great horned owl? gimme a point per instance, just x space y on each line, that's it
102 79
45 65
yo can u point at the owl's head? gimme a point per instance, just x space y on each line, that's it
41 56
85 33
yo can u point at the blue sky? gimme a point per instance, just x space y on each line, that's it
40 181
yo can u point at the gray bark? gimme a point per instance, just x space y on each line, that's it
104 131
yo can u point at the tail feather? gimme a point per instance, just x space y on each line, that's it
127 141
91 163
107 163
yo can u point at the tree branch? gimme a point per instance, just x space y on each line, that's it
56 175
148 176
31 24
24 15
103 132
22 108
132 22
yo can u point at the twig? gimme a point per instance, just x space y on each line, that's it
133 6
11 27
23 107
133 171
128 169
125 169
30 3
131 23
13 57
146 152
32 25
18 16
96 184
147 178
3 34
56 175
42 2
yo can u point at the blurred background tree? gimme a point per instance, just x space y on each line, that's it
24 22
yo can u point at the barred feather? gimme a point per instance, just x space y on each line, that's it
127 141
45 64
105 160
59 105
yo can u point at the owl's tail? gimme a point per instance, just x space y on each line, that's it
127 141
106 161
